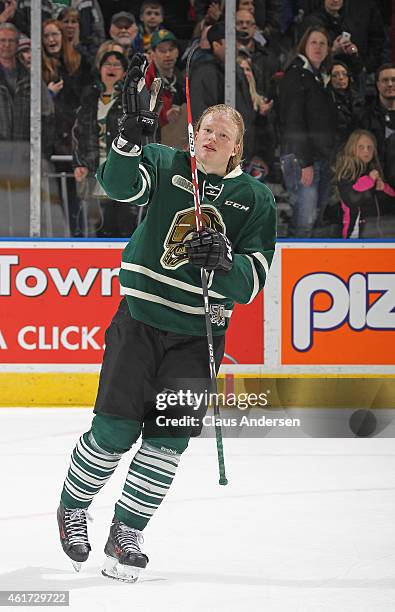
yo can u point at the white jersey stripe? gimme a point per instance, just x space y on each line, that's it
139 194
262 260
193 310
255 288
167 280
147 176
125 153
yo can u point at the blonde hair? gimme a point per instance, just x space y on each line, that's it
107 45
348 165
256 98
238 122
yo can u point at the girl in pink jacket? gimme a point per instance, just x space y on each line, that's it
359 180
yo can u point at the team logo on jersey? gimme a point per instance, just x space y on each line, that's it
182 226
217 314
211 192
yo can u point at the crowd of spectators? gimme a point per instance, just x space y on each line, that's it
315 83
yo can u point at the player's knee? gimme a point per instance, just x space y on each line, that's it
168 446
114 434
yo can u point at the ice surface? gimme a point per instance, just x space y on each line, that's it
305 525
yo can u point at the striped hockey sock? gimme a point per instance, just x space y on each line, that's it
149 478
90 468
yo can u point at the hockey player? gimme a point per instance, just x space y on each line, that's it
157 338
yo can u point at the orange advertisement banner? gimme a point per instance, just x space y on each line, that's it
338 306
56 303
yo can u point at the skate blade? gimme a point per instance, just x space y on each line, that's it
118 571
76 565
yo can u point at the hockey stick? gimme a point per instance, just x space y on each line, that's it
203 274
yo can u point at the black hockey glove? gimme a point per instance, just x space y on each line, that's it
137 122
132 127
210 250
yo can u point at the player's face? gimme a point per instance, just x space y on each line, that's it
216 142
365 149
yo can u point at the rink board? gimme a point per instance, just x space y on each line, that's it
328 310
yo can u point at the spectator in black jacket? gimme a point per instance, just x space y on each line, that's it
267 14
95 128
207 85
14 126
379 118
14 88
92 29
47 105
264 61
66 72
308 125
70 20
349 103
362 20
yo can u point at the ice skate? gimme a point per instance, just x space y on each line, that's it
124 561
74 534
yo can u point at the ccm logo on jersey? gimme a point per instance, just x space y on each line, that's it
351 304
236 205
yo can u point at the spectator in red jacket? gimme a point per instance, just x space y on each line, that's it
163 65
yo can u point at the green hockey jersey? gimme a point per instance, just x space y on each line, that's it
162 289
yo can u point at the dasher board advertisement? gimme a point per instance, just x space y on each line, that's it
58 297
338 304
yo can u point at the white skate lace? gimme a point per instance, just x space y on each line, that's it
75 520
129 539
